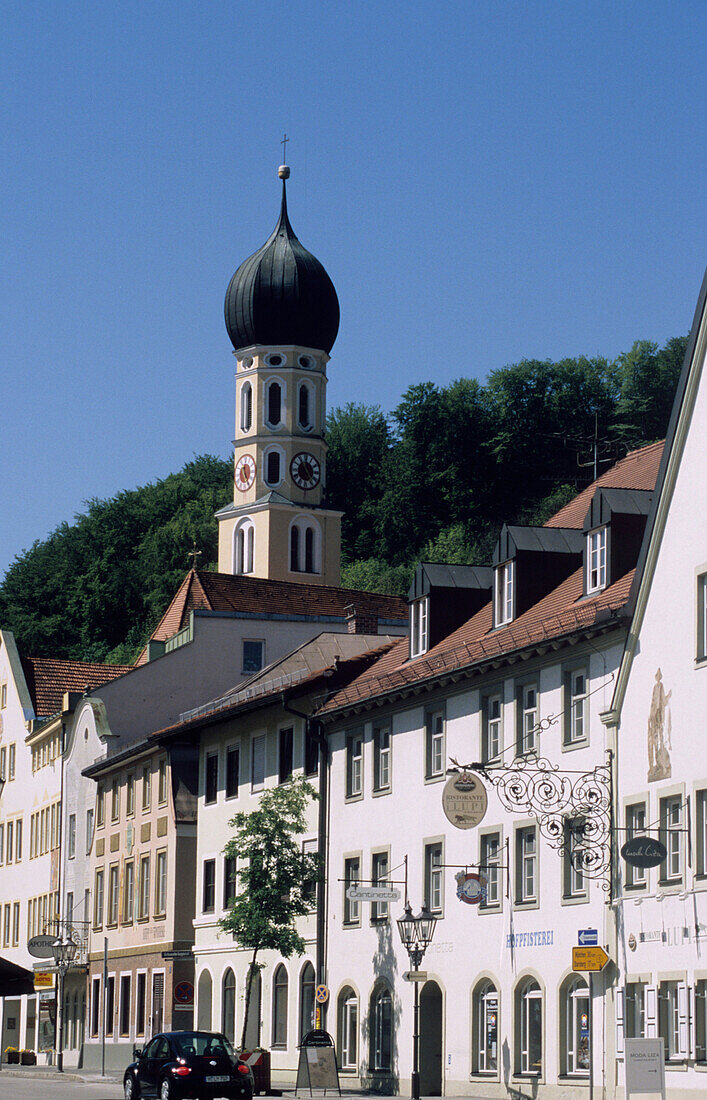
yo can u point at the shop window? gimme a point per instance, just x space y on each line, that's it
485 1035
124 1004
574 1000
347 1028
279 1008
140 1003
529 1029
672 1019
381 1014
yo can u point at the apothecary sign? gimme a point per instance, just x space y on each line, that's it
644 851
464 800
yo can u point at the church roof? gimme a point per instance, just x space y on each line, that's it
48 679
282 295
225 592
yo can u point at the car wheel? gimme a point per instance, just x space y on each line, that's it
132 1092
166 1092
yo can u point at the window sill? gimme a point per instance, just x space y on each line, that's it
354 797
575 899
572 746
489 910
381 791
348 925
435 778
677 1066
521 906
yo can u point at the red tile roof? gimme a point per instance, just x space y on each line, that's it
561 613
253 595
48 679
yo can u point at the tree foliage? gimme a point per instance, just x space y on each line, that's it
435 479
274 875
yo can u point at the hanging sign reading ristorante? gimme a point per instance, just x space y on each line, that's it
464 800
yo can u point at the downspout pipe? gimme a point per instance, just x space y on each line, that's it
313 728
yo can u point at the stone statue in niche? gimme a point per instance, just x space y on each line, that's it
659 732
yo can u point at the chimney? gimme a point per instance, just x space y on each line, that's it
360 622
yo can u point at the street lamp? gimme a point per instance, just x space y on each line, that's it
416 934
63 952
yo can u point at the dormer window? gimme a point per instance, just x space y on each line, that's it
596 560
419 627
503 594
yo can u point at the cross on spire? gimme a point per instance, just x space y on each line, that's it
283 143
194 554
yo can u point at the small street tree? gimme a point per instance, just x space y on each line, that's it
275 876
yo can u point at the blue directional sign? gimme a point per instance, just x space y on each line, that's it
587 937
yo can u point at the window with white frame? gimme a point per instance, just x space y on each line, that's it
671 834
574 997
143 910
161 884
527 719
210 777
434 877
702 617
701 1021
635 826
492 722
354 764
89 830
381 1030
485 1037
379 877
419 626
244 547
489 866
208 897
529 1028
128 891
576 707
113 880
98 898
635 1010
574 881
701 832
279 1007
526 865
71 843
434 744
257 763
672 1019
348 1029
352 877
381 757
596 560
503 593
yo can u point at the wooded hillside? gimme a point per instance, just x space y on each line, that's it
433 480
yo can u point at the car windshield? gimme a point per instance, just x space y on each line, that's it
202 1044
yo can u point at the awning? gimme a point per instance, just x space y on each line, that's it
15 981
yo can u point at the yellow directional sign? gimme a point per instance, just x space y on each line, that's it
590 959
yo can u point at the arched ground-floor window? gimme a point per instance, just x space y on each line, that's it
306 999
279 1007
347 1028
381 1012
574 1021
228 1005
529 1028
205 988
485 1022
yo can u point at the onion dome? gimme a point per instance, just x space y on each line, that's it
282 294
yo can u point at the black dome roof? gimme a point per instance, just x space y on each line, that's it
282 295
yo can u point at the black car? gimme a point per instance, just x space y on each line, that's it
197 1064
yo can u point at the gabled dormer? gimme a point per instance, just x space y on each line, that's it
613 531
528 563
441 598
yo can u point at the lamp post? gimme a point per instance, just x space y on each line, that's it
63 952
416 934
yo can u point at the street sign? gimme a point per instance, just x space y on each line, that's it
587 937
372 893
321 994
589 959
176 956
415 976
41 946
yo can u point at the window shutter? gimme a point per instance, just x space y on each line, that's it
619 1021
651 1012
683 1023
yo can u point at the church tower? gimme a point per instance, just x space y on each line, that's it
282 316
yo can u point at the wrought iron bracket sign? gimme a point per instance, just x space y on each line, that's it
573 809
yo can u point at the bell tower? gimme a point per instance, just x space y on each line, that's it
282 316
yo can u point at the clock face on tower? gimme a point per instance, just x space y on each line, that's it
245 473
305 470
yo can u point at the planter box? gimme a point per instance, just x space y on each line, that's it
12 1057
28 1058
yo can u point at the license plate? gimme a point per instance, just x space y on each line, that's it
216 1080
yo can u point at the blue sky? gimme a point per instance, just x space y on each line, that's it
484 182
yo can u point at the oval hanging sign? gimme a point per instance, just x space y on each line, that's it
644 851
464 800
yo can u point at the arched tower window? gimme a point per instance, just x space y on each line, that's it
279 1007
305 546
244 547
273 404
228 1005
305 405
246 407
273 466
